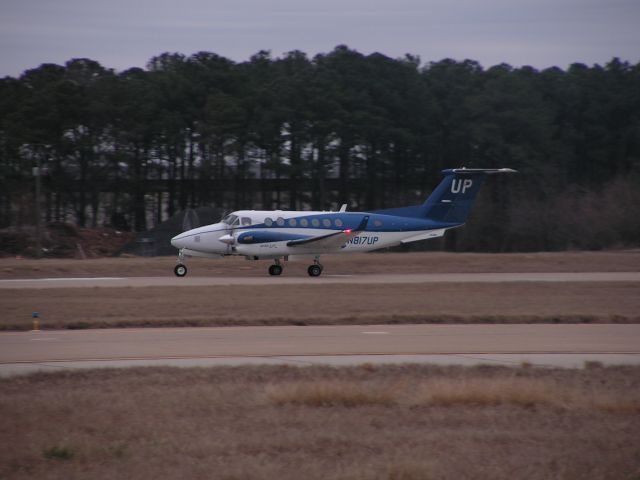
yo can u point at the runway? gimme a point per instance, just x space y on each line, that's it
172 281
546 345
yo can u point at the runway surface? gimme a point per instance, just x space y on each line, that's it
172 281
548 345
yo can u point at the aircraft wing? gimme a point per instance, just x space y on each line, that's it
330 241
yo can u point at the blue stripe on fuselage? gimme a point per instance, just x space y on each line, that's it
267 235
351 220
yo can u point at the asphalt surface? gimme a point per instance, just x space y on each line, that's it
547 345
172 281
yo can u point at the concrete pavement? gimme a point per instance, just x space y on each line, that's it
549 345
172 281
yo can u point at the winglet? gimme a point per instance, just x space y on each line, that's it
343 208
363 224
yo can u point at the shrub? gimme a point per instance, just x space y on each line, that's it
59 453
329 394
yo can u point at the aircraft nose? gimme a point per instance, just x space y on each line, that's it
178 241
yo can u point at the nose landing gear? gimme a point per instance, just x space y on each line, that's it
180 269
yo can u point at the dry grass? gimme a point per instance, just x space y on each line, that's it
446 392
327 304
419 262
392 422
519 392
330 394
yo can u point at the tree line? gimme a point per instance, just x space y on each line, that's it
132 148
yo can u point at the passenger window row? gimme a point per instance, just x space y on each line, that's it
304 222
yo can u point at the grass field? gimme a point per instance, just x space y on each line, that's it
367 422
328 304
325 304
433 262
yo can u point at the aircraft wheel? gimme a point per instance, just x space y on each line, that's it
314 270
275 270
180 270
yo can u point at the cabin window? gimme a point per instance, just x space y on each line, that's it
326 222
315 222
246 221
280 222
293 222
304 222
338 222
268 222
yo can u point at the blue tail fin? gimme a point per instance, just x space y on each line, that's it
452 199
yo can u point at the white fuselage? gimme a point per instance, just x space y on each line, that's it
241 232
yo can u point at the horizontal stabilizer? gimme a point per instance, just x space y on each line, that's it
425 235
478 171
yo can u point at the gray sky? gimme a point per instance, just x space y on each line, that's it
126 33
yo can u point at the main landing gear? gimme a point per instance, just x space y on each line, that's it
275 269
180 269
316 269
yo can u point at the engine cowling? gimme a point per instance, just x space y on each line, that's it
262 249
228 239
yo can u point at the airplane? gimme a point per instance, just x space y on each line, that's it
281 234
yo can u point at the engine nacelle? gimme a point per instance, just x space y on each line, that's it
227 239
263 249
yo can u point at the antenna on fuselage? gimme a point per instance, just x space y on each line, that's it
343 208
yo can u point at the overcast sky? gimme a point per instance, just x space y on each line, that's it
126 33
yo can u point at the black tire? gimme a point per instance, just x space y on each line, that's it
314 270
275 270
180 270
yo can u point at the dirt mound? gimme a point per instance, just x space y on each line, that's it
63 240
157 241
66 240
103 242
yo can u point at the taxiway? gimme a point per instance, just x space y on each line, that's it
548 345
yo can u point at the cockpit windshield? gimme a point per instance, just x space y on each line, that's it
230 219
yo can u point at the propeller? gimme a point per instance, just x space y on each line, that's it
229 237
